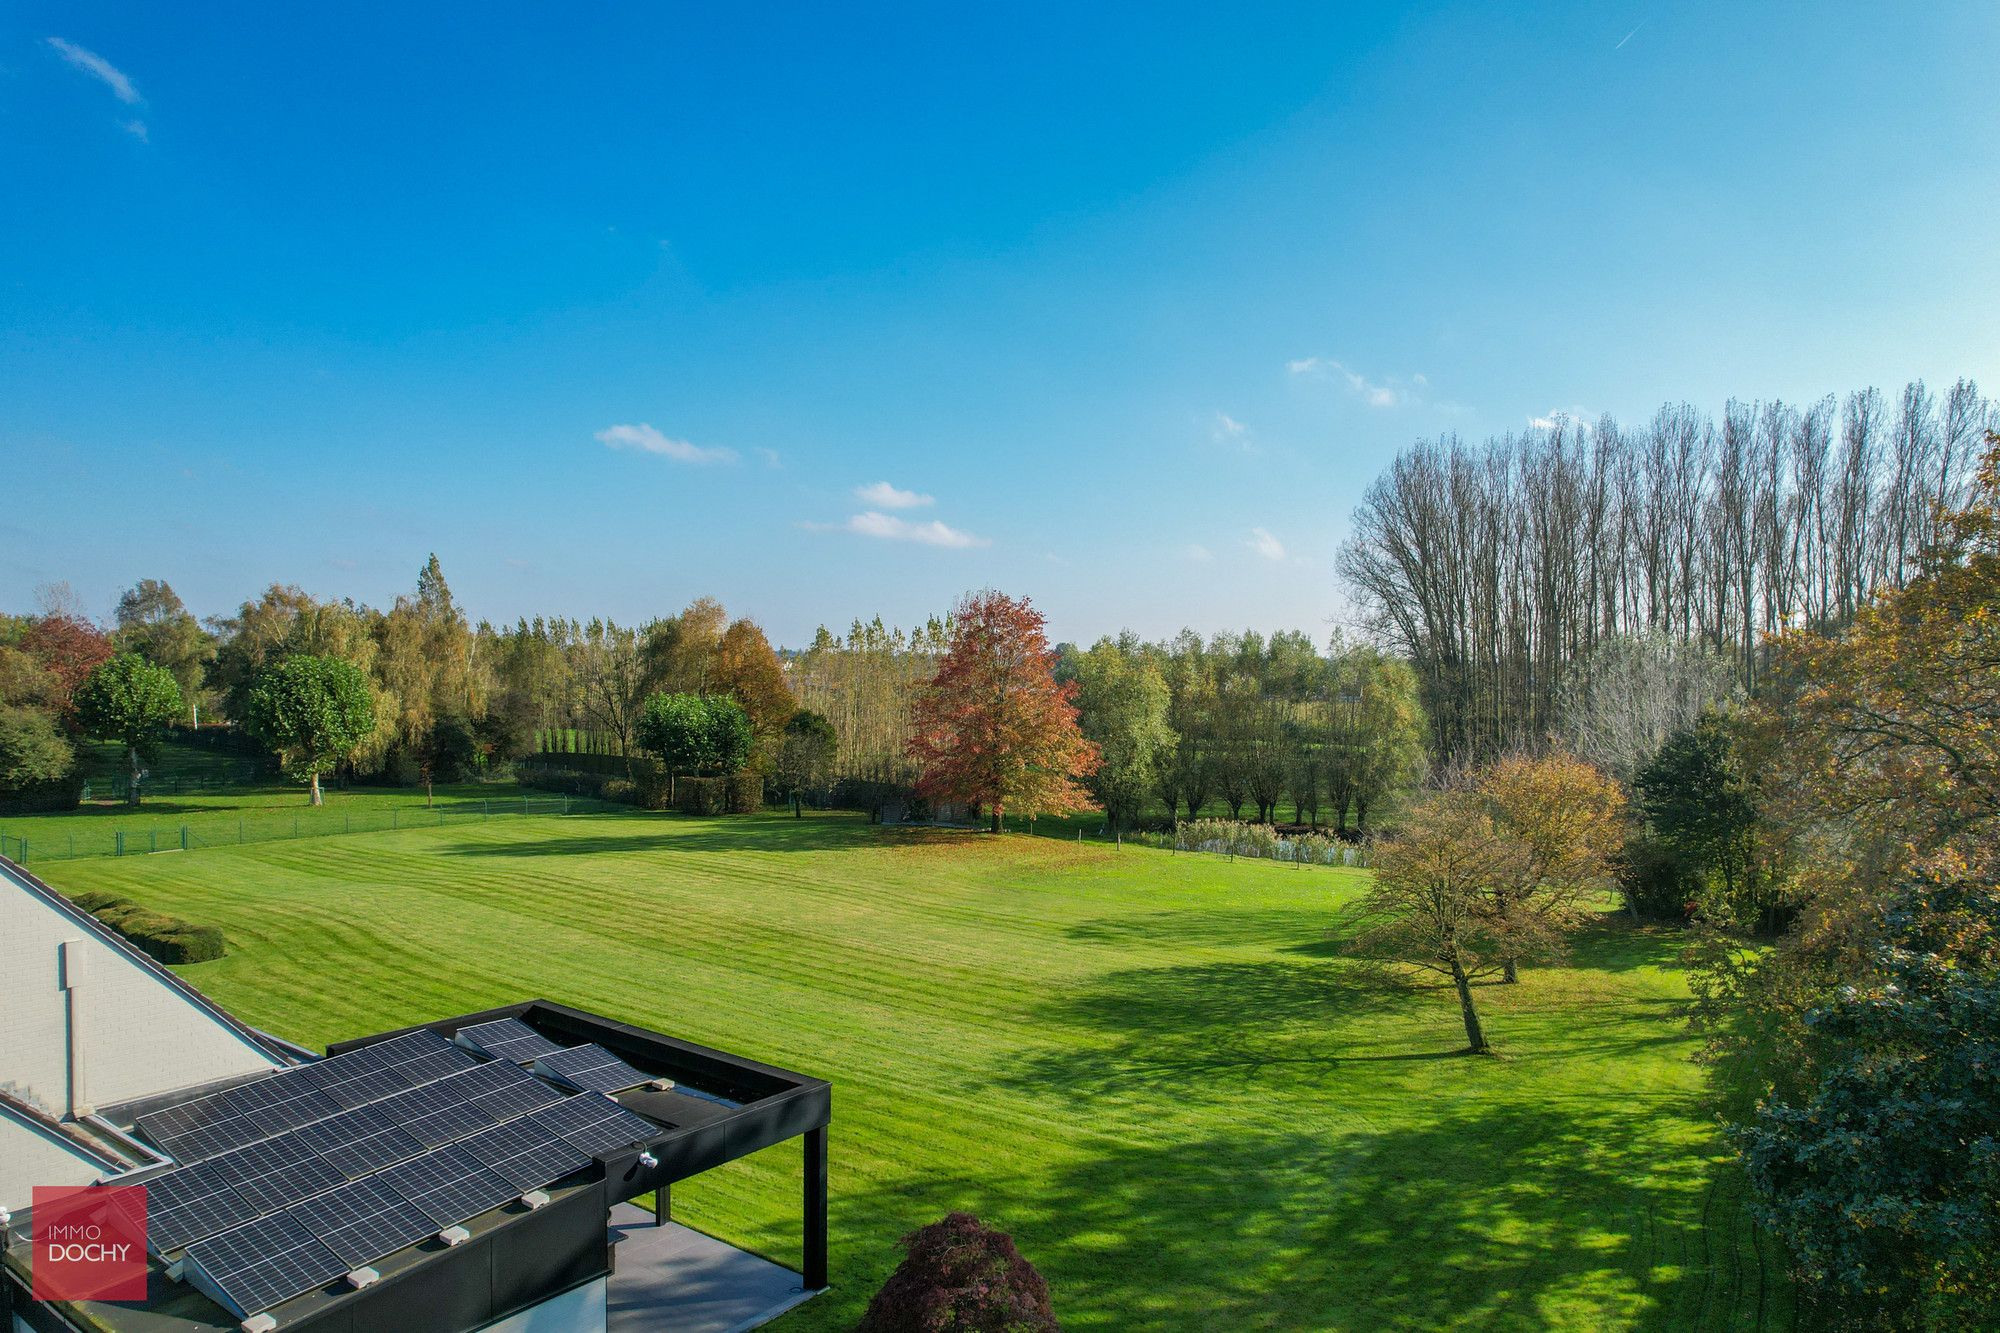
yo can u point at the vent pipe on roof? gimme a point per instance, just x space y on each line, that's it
70 955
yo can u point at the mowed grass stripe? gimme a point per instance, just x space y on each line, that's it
1164 1074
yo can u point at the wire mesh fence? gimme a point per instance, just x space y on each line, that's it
94 838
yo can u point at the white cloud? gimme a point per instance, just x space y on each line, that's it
884 496
1375 393
647 440
1264 544
98 68
1199 554
891 528
1557 415
137 129
1228 430
770 457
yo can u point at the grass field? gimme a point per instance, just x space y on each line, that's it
1161 1073
255 814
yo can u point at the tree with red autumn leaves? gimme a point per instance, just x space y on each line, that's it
993 727
68 648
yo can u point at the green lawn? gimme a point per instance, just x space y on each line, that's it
1159 1072
253 814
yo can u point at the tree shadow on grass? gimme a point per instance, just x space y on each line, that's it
1607 942
1206 1027
1493 1217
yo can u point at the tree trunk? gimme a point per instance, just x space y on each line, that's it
996 816
796 813
1508 973
1475 1036
317 799
132 788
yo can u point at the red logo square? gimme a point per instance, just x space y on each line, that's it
89 1243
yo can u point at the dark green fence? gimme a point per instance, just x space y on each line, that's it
92 839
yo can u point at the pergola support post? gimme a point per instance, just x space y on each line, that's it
815 1209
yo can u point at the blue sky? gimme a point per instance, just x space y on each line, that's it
617 306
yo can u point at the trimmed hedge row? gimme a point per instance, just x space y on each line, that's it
741 794
163 938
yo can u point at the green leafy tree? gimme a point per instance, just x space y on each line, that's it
33 752
313 711
731 736
675 728
131 701
807 750
695 734
1699 800
1121 703
152 622
1882 1174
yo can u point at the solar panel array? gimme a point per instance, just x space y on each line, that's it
267 1261
269 1106
263 1220
507 1039
591 1068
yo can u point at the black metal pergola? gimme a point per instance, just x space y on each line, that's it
723 1107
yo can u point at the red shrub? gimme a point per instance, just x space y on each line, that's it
961 1276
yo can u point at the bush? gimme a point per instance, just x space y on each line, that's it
1656 882
163 938
961 1276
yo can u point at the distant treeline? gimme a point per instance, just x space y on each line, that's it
1496 568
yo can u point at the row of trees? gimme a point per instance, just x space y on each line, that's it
1496 569
1250 721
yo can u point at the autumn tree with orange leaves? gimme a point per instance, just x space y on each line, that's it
993 728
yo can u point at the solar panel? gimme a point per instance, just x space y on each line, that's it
593 1123
360 1141
259 1264
365 1086
190 1130
526 1155
448 1186
362 1220
507 1039
433 1065
290 1112
409 1046
591 1068
188 1204
436 1113
277 1172
513 1092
